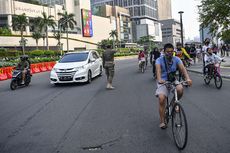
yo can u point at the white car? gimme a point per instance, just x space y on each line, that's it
79 66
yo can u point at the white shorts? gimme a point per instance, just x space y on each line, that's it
162 89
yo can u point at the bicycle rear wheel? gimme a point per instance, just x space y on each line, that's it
179 126
218 81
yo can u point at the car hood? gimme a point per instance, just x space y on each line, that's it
69 65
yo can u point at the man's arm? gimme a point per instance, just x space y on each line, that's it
185 53
158 71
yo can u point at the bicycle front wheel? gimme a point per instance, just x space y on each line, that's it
218 81
179 126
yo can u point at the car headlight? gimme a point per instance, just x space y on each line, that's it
54 69
79 68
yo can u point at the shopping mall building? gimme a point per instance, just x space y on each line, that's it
89 31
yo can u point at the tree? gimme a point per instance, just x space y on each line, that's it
57 36
20 22
67 21
47 21
147 41
103 44
215 14
37 30
113 34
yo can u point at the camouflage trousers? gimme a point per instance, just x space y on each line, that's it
109 71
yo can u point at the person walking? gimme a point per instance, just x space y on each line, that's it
108 65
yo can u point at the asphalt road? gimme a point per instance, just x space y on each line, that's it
85 118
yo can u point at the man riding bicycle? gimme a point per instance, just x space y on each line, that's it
141 58
181 53
166 67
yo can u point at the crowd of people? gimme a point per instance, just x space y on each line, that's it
170 59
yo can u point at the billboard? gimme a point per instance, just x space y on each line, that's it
87 26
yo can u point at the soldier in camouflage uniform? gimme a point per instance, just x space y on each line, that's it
108 64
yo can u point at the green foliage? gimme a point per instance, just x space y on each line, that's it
215 15
124 54
146 40
100 51
44 59
48 53
3 52
5 31
13 53
104 43
123 49
36 53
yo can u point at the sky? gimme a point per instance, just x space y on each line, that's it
190 16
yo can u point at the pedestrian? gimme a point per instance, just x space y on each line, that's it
224 48
108 65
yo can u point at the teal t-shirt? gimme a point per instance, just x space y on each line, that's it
171 67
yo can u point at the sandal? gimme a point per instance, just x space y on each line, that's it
163 126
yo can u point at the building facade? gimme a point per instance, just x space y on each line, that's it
164 9
144 16
52 2
171 31
78 38
121 19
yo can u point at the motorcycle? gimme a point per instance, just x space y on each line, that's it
17 79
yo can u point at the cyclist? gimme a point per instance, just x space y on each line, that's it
210 59
204 49
141 58
154 54
146 56
166 66
181 53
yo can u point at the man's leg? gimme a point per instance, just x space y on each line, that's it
107 76
23 76
110 78
162 99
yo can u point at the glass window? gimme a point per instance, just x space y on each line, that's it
137 11
75 57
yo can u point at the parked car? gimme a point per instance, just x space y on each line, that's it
79 66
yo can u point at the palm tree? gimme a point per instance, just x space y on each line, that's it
19 23
67 21
47 21
36 35
58 35
113 34
37 30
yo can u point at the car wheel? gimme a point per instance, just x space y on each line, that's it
89 77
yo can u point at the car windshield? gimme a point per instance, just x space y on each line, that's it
76 57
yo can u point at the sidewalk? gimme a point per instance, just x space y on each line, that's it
224 69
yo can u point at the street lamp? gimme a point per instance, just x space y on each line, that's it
181 26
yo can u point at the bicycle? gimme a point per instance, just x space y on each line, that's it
142 66
215 73
176 113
